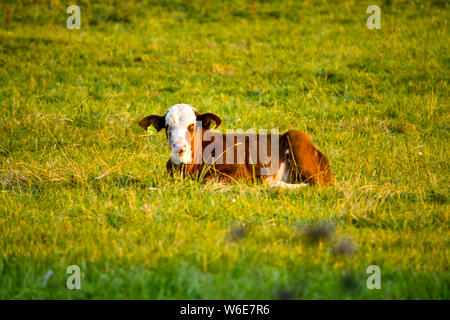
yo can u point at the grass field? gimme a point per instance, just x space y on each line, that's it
82 184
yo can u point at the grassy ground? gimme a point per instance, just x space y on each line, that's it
76 170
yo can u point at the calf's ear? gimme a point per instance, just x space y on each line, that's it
156 121
207 119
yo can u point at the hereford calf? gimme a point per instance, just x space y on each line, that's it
288 160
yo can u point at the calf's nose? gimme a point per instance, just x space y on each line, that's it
180 146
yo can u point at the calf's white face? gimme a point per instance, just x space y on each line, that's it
180 122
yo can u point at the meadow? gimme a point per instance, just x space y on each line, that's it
82 184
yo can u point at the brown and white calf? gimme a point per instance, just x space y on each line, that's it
287 160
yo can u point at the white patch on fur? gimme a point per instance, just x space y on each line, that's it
283 172
178 118
281 175
285 185
280 178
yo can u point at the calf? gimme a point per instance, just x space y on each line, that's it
289 160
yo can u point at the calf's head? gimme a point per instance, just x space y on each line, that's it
181 122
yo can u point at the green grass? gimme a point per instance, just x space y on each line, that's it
374 101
